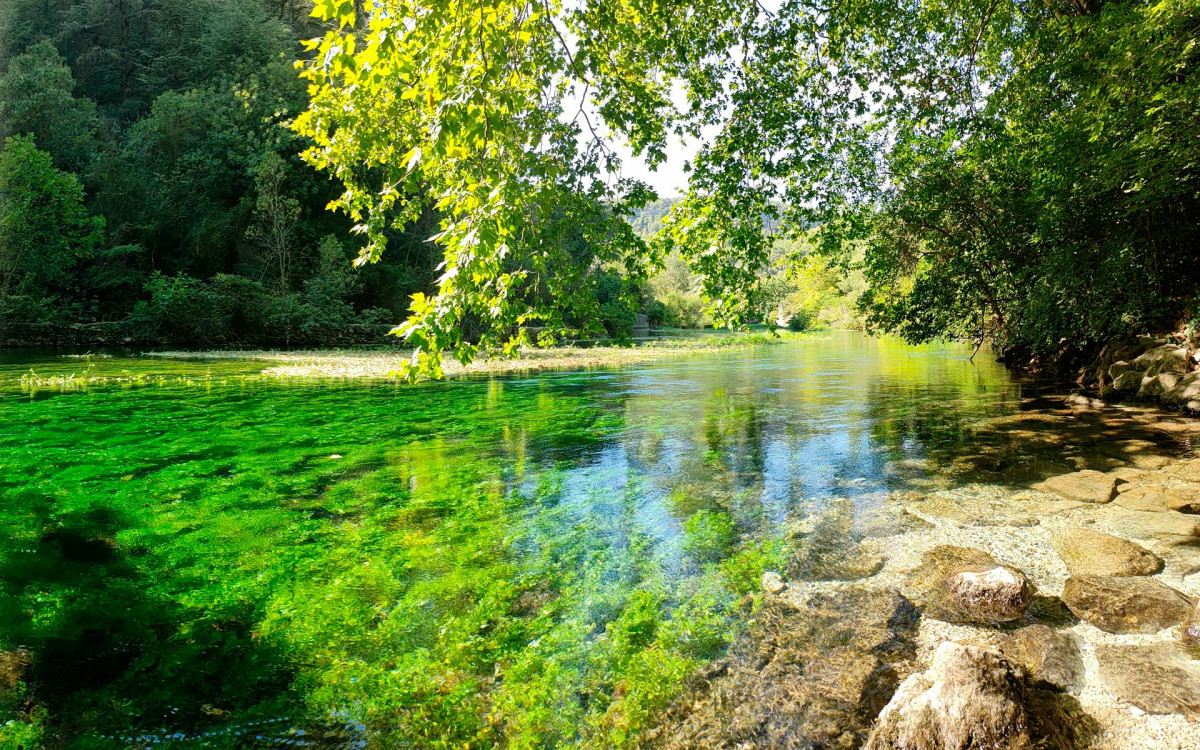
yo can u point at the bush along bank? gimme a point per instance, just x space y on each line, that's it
1163 369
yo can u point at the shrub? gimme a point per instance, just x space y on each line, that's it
687 309
661 315
618 319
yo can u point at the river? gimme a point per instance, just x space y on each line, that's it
197 557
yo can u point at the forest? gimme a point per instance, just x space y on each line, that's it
151 184
1023 174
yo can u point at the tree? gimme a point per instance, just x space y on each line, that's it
44 228
275 219
36 98
961 141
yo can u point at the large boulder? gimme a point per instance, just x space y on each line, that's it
1186 390
1086 486
1165 358
971 697
1125 605
807 674
1047 654
966 585
1156 678
1128 382
1158 385
1087 552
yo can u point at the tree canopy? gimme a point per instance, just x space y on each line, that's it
1023 171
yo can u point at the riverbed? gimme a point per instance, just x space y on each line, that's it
532 560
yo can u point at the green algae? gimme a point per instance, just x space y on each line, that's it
522 562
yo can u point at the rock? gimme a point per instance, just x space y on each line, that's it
1128 382
1189 634
1085 486
1047 654
1125 605
964 585
1087 552
1188 471
1155 678
1165 358
1185 391
1050 507
829 550
1131 477
1117 369
1166 524
996 594
806 675
971 697
1147 497
973 511
1158 385
772 582
1184 499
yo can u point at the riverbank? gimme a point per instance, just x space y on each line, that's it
349 363
79 371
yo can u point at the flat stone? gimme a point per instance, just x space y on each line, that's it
1050 507
1125 605
1086 486
1088 552
971 697
1048 655
1155 525
1188 471
974 511
1184 499
1135 476
1156 678
772 582
1146 497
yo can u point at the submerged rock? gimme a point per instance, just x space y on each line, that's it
810 676
972 697
965 585
1155 678
1047 654
1125 605
1165 524
974 511
830 550
772 582
1087 486
1087 552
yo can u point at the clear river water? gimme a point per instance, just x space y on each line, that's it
197 557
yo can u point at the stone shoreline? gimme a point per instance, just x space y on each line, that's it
1009 604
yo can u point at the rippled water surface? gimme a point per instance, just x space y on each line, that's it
525 561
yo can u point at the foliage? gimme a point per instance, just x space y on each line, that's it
37 98
1022 172
45 231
